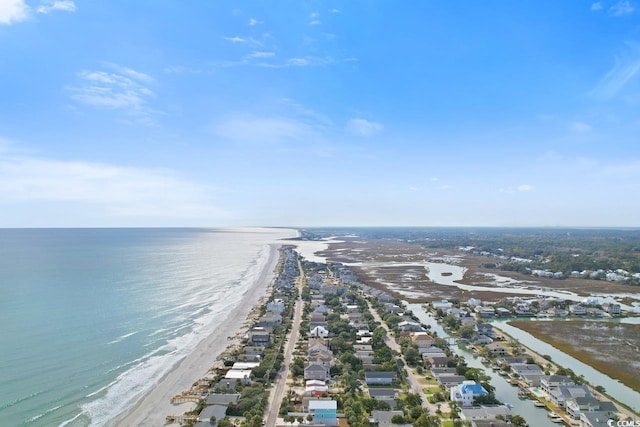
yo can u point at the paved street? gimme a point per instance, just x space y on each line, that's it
277 392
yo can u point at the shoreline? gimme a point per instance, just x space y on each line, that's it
152 408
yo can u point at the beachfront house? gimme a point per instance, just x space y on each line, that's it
259 336
243 375
217 411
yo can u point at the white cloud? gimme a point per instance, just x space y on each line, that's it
253 22
121 88
625 69
261 55
621 8
335 10
243 40
524 188
114 190
51 5
265 130
363 127
13 11
580 127
596 6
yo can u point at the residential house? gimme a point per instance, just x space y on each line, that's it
612 308
423 340
316 371
595 419
217 411
503 312
269 320
578 310
410 326
243 375
485 311
485 329
483 339
474 302
525 368
259 336
559 395
324 412
466 392
380 377
496 349
443 305
450 380
383 419
490 423
319 331
276 306
575 406
316 388
546 384
484 413
383 393
222 399
511 360
437 360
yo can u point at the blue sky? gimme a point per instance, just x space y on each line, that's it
314 113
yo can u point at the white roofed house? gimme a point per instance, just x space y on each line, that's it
319 331
410 326
466 392
324 412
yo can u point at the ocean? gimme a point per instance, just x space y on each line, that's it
93 318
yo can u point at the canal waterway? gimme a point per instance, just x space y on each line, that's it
504 391
614 388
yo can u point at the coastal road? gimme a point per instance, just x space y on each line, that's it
413 380
275 397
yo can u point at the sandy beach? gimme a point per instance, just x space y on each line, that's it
152 408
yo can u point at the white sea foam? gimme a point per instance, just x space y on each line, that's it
150 369
48 411
122 338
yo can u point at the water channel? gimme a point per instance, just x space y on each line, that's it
449 275
504 391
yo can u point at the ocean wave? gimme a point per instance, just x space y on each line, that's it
191 329
22 399
37 417
122 338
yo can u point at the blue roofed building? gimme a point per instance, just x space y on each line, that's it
466 392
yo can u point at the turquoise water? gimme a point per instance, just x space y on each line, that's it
92 318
